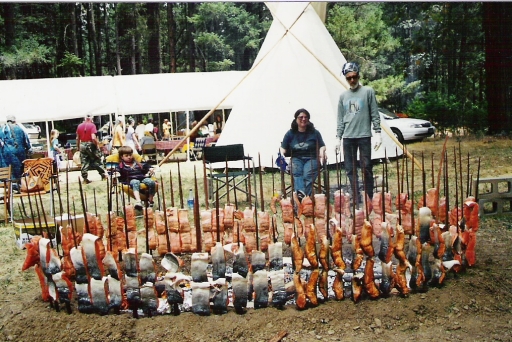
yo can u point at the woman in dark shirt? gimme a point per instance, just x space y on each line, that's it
307 148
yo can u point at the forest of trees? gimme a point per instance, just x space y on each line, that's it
447 62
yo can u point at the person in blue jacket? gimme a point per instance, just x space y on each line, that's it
16 147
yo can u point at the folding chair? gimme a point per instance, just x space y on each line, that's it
288 188
197 150
42 168
5 190
148 151
112 161
221 154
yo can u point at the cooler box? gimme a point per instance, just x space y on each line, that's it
25 230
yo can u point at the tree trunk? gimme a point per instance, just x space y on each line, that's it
118 53
80 38
154 48
133 60
98 28
171 29
72 29
10 72
191 9
108 54
91 37
498 60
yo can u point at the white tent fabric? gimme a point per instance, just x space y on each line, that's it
56 98
298 66
175 92
74 97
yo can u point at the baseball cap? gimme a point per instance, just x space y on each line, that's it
10 118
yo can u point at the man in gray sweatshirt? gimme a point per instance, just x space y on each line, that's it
357 111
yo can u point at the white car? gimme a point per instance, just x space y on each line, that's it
33 131
407 129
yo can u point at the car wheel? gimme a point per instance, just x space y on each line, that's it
398 135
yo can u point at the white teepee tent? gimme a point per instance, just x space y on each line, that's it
298 66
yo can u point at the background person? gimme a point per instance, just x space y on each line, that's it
166 129
55 148
16 147
149 126
139 131
134 173
156 131
302 142
357 111
131 138
218 124
119 136
87 144
147 139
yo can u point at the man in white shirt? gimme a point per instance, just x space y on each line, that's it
149 126
139 130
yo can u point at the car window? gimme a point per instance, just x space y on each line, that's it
388 115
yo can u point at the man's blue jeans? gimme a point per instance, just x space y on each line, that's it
304 172
350 147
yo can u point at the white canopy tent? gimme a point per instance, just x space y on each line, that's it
298 66
53 99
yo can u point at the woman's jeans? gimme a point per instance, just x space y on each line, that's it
304 171
350 147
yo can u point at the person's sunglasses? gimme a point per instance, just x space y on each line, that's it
302 117
350 78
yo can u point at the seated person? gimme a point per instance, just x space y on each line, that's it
304 143
194 134
204 131
147 139
133 173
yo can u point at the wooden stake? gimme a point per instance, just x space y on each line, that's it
468 184
180 186
456 184
217 219
45 220
171 187
83 205
398 188
227 182
262 205
197 220
423 178
164 207
205 185
477 181
125 221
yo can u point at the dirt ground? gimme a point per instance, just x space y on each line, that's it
473 306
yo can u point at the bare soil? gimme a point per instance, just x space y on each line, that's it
473 306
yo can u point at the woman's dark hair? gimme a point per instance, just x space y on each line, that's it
295 127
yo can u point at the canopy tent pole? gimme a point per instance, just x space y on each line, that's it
188 136
48 147
171 130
